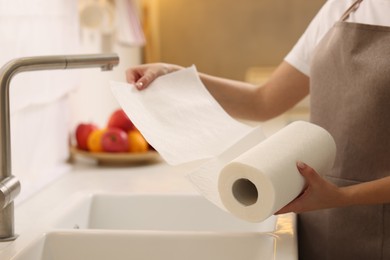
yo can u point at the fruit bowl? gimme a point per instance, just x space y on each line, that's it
103 158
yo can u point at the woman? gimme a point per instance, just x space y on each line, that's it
343 60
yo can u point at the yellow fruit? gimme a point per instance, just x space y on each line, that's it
94 141
137 143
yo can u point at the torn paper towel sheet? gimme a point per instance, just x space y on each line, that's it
245 175
179 117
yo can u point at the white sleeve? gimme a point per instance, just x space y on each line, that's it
301 54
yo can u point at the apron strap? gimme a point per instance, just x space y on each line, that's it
350 10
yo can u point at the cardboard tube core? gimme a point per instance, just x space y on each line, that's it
245 192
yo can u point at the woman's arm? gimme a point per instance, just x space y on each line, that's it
286 87
372 192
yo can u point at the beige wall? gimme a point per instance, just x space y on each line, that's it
225 37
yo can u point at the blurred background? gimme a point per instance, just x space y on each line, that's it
239 40
225 37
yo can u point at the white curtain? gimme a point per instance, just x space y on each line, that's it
38 27
39 107
128 25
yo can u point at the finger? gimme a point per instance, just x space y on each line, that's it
149 76
140 85
144 81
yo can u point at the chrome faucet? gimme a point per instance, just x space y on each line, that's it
9 185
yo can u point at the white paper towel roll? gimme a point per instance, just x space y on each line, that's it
265 178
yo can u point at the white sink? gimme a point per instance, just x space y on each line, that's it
112 245
152 212
158 227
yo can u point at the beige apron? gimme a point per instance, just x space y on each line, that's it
350 97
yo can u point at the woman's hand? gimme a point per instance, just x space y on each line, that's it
317 194
141 76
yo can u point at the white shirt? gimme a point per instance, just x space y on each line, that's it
374 12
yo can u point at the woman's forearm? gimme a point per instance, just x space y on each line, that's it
372 192
237 98
248 101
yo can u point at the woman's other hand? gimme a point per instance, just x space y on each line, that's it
317 194
141 76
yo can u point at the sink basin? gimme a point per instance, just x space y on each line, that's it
103 245
153 212
161 227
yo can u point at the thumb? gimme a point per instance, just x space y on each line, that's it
310 175
149 76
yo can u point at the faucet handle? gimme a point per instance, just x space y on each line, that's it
9 189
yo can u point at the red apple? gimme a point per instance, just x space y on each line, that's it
83 130
119 119
115 140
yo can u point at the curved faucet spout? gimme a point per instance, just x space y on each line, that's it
9 185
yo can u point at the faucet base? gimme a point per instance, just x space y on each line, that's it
8 239
7 223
